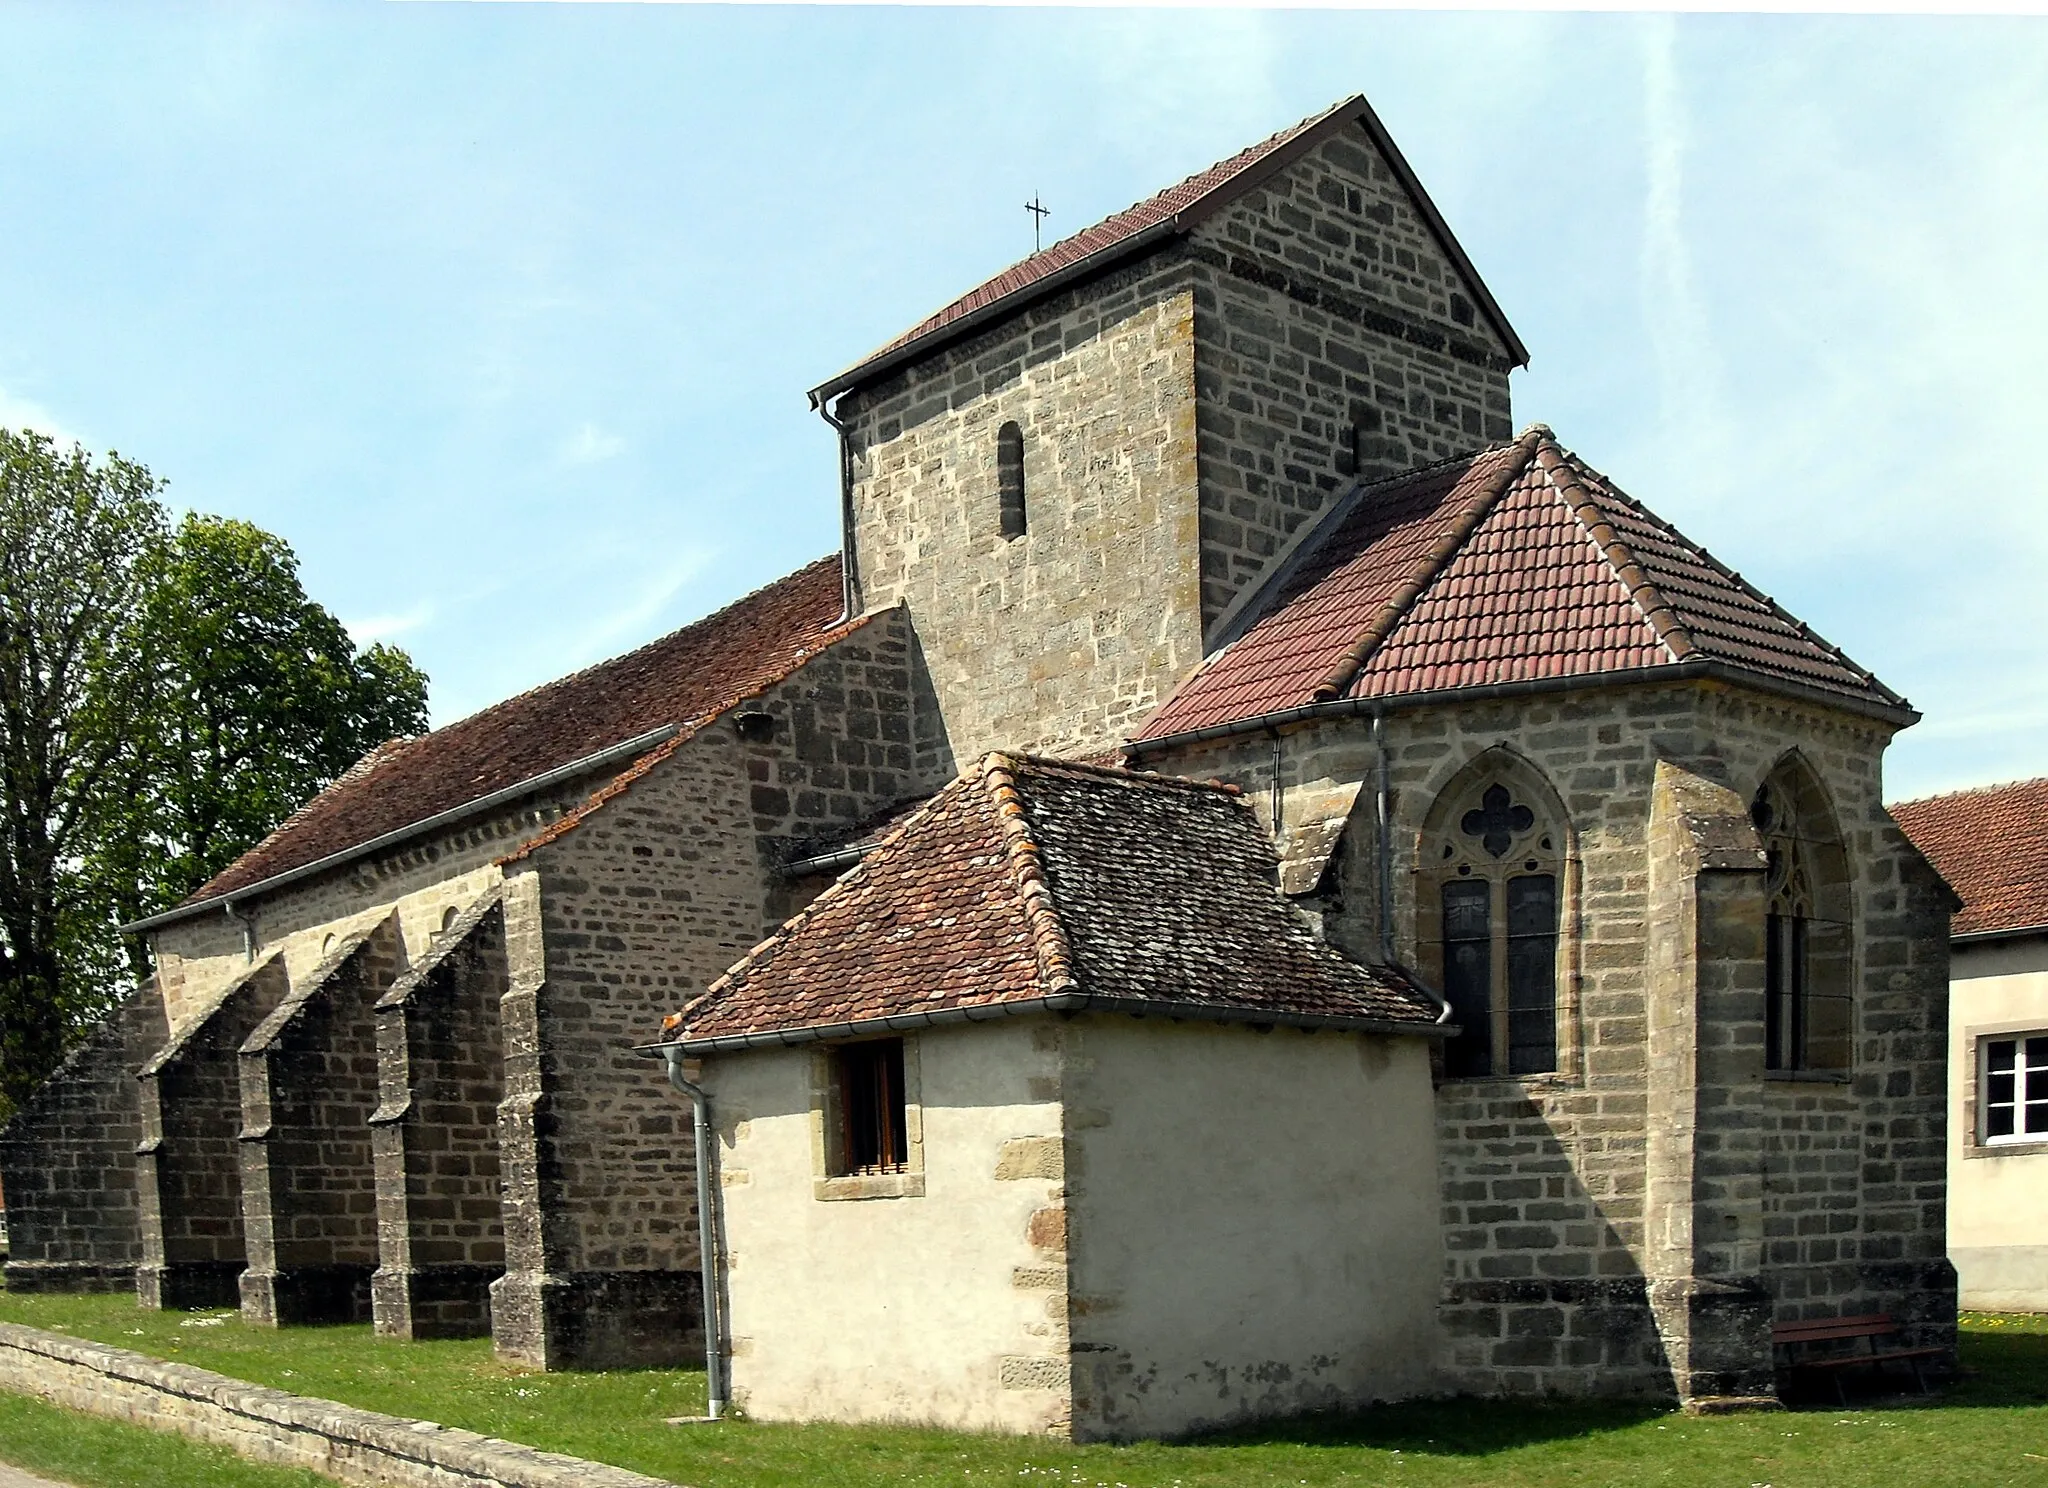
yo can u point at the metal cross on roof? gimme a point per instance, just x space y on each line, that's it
1039 212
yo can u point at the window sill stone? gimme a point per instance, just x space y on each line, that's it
2005 1149
870 1186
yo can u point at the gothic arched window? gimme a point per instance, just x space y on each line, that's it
1807 1006
1491 908
1010 479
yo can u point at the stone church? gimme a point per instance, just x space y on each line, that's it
1248 885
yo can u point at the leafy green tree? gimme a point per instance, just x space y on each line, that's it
166 699
257 699
76 540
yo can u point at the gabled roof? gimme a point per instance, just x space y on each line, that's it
1176 210
1031 884
1515 565
679 681
1992 847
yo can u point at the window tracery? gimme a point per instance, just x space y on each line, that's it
1807 1008
1493 893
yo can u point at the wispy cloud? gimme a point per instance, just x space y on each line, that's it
26 413
589 445
1681 343
643 606
374 628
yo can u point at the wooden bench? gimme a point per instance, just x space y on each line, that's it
1796 1338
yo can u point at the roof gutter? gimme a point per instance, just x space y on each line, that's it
639 744
1681 671
1981 937
840 857
1057 1002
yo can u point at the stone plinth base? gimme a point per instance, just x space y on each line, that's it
598 1319
291 1296
433 1301
68 1276
187 1285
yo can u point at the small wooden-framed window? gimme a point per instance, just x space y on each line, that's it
2012 1089
1492 907
873 1134
1010 479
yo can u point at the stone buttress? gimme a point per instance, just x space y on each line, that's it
188 1169
440 1233
309 1187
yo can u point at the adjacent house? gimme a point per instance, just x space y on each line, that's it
1992 845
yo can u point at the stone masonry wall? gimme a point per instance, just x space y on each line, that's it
1544 1177
838 746
265 1425
639 906
1334 338
67 1160
441 1062
309 1184
423 880
188 1170
1063 638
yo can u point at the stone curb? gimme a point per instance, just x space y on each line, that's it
339 1441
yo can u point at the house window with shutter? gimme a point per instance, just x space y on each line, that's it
872 1135
867 1123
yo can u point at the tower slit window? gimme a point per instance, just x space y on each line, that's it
1010 479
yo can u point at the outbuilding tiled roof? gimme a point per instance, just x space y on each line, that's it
1030 883
1516 564
1992 847
1179 207
684 678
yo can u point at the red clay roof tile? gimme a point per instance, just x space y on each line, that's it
684 678
1028 878
1514 564
1992 847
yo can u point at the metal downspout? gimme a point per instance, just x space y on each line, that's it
1383 837
248 924
707 1235
849 557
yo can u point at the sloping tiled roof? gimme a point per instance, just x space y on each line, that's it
1029 883
1992 847
684 678
1178 208
1515 564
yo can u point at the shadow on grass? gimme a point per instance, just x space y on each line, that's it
1460 1427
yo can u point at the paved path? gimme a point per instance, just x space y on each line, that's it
14 1477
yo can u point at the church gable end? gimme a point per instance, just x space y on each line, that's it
1340 332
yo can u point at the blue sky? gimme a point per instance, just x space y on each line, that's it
503 315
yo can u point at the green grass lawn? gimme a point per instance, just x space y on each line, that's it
1990 1428
81 1449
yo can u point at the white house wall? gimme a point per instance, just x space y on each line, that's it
1998 1197
1255 1228
945 1308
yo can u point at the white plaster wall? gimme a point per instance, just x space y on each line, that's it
1255 1222
936 1308
1998 1201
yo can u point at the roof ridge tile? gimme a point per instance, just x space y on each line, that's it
1560 468
1027 868
1514 459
